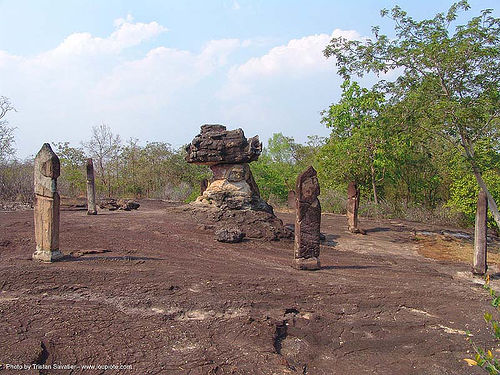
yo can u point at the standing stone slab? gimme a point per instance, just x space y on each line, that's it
479 266
307 221
47 201
91 205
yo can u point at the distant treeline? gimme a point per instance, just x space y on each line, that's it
156 170
417 180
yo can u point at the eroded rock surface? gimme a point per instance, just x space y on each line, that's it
216 145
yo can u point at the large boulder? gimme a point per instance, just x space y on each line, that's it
233 187
216 145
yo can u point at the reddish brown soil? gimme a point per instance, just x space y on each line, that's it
168 299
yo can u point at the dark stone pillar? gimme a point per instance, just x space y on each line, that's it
91 205
307 221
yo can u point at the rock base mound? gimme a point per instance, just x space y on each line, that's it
255 224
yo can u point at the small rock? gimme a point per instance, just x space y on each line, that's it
5 243
205 227
122 204
229 235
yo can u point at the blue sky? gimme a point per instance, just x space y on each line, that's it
157 70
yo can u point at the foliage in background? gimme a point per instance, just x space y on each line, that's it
276 170
447 81
6 132
464 189
16 181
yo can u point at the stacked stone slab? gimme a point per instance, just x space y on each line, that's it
307 221
232 198
47 202
228 153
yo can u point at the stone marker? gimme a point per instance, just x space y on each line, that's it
91 204
203 186
47 169
307 221
479 266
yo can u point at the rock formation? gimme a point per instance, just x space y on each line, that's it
232 194
307 221
216 145
47 201
228 153
91 206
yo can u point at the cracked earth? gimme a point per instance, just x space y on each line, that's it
152 289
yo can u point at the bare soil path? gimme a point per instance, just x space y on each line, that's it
152 290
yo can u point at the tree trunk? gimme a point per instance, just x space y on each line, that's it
352 207
491 202
477 173
374 186
479 266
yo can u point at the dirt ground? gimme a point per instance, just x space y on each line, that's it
151 291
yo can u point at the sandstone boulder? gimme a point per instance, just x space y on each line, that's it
216 145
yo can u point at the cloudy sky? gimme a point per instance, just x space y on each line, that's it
156 69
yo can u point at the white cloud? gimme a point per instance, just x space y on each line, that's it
87 79
236 5
164 94
297 59
126 35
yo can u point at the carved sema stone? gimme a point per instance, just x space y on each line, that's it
307 221
47 202
91 204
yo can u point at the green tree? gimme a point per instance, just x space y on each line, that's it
73 178
447 76
281 161
358 136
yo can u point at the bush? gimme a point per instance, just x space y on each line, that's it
16 181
